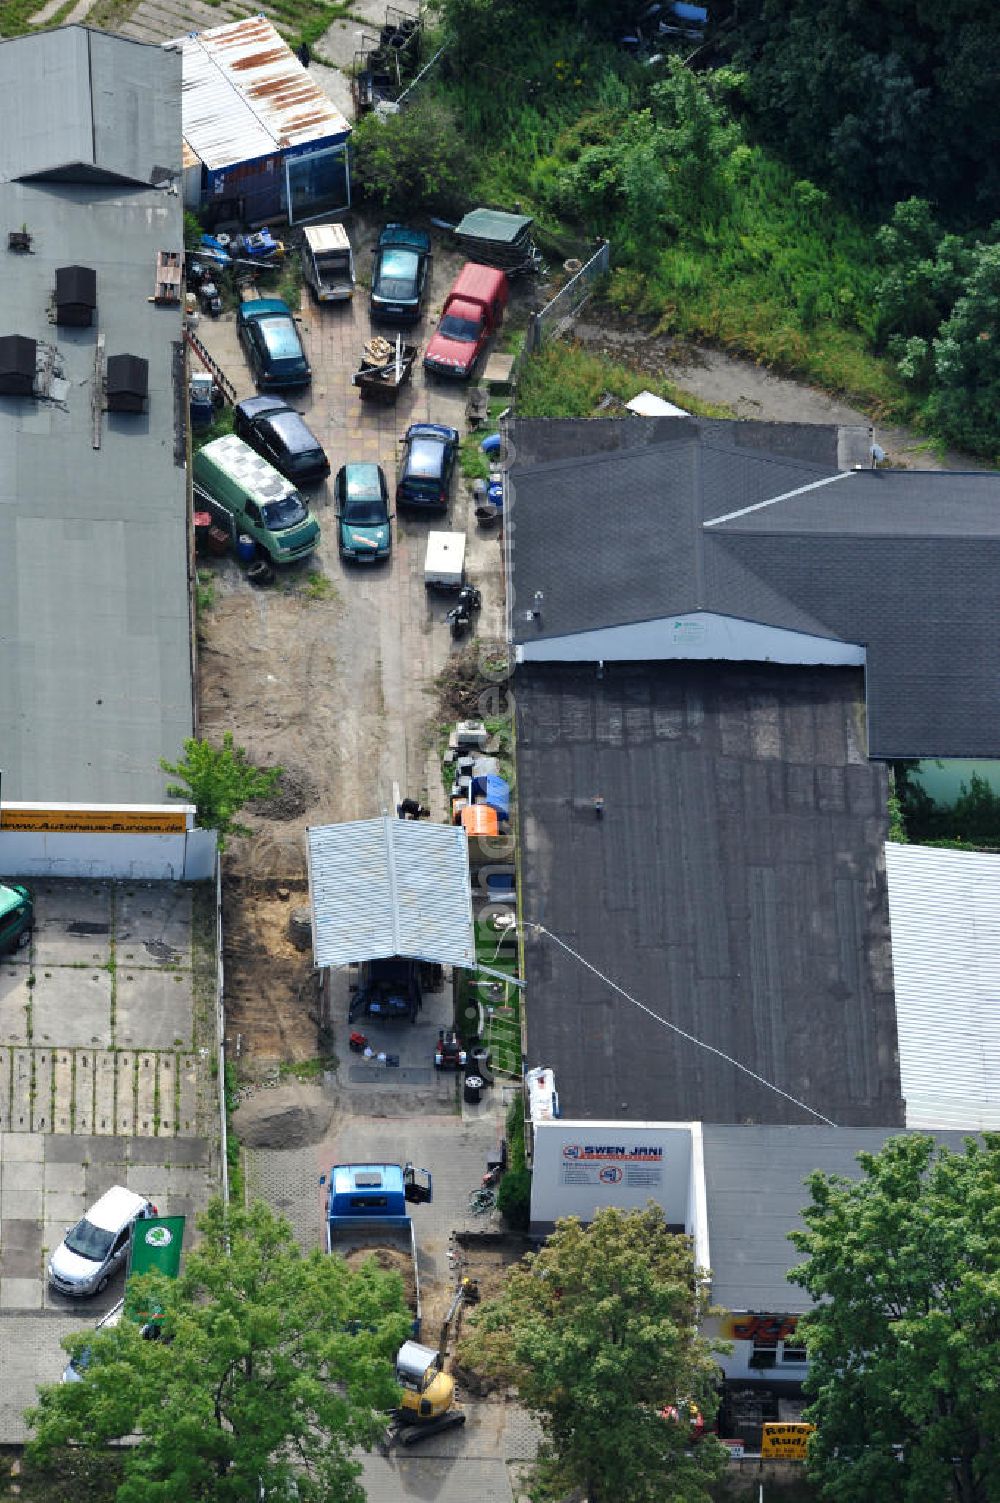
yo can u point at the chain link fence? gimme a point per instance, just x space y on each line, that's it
552 321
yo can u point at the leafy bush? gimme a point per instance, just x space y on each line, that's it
514 1198
414 160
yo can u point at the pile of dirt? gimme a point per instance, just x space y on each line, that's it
289 1116
469 675
296 792
390 1260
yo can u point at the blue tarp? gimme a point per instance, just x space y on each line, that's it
494 791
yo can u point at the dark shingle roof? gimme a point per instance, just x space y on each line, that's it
633 521
735 885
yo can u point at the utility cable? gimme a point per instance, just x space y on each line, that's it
540 929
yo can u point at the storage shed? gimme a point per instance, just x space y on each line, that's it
261 139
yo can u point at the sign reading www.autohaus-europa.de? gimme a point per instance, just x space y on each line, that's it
639 1164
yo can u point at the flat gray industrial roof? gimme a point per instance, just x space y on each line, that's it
95 651
755 1191
735 885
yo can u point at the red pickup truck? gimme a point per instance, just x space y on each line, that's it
472 310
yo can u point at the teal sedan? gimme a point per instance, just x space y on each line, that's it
363 517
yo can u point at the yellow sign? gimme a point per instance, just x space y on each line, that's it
785 1442
95 821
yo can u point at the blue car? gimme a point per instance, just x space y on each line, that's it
271 343
400 274
429 452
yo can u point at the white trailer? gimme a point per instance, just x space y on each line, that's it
328 262
444 563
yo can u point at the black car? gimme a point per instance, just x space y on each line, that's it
400 274
429 451
270 339
388 989
282 437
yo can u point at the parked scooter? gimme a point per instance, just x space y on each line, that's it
460 616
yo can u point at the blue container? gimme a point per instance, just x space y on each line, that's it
246 549
494 791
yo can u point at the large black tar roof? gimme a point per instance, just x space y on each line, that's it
619 522
735 885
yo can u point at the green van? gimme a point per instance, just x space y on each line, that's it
17 917
256 500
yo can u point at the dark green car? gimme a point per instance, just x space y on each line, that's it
17 917
363 516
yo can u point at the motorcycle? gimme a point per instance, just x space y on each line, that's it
459 618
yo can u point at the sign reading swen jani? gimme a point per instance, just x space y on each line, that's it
611 1164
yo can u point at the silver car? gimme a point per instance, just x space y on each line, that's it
98 1245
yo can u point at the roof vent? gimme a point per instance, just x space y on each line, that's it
18 240
17 366
127 383
76 296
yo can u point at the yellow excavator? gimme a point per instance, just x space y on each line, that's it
428 1403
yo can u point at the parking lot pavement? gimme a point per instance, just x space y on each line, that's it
102 1082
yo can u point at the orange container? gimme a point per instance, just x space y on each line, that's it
480 819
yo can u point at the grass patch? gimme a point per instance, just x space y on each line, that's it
319 587
234 1159
204 592
307 1069
565 380
472 461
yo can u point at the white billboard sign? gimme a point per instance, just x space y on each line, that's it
579 1167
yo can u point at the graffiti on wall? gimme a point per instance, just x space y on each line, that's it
762 1330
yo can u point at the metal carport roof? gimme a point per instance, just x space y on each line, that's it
382 887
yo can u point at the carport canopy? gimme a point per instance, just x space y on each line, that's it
387 886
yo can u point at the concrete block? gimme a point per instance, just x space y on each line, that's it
22 1174
125 1093
22 1205
153 1009
62 1091
15 997
41 1101
66 1205
187 1116
5 1076
153 926
67 1177
20 1104
25 1147
20 1294
104 1092
146 1108
83 1092
167 1077
71 1007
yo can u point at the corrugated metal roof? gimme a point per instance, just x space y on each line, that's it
944 907
382 887
247 96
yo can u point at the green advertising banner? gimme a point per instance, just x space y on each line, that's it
156 1246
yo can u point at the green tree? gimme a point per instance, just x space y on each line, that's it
964 404
273 1365
598 1333
904 1340
219 780
414 160
925 271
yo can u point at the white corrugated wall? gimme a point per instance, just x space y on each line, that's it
944 907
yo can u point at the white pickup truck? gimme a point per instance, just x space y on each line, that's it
328 262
